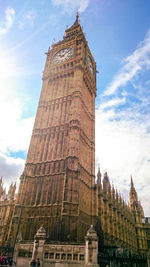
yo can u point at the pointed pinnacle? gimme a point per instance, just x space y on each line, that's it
106 178
132 185
77 16
99 173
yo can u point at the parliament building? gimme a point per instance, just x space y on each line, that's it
59 196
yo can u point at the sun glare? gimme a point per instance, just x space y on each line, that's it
7 73
7 65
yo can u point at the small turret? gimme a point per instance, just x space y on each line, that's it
137 211
109 190
120 200
105 181
117 196
99 175
113 192
11 191
99 185
133 193
38 247
91 248
135 204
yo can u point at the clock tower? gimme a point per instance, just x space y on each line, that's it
57 187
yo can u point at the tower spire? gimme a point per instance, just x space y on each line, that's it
133 194
74 30
77 16
132 185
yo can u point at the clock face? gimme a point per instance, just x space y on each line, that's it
90 64
62 55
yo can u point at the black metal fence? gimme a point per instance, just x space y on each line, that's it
117 257
6 251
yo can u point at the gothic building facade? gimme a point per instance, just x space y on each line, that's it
57 188
7 203
121 222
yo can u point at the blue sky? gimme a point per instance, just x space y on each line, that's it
118 33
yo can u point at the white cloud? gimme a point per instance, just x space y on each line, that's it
123 132
113 102
122 147
133 64
70 6
28 19
15 130
15 133
10 169
7 23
